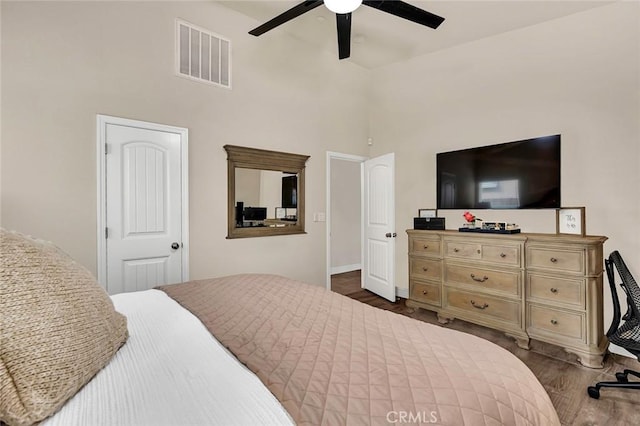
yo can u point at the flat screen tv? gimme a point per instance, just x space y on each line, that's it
290 191
255 213
515 175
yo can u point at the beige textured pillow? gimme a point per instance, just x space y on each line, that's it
58 328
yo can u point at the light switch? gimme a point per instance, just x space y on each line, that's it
319 217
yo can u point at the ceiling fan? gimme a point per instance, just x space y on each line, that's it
343 9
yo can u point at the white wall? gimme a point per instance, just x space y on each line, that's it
270 191
248 186
65 62
345 216
578 76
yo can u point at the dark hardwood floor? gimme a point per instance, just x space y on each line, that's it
563 377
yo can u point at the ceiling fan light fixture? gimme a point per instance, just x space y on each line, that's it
342 6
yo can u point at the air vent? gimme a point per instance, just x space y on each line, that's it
202 55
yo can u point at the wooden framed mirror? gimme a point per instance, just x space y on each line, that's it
265 194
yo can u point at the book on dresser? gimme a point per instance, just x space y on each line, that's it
546 287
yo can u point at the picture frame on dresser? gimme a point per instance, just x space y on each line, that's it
571 221
427 213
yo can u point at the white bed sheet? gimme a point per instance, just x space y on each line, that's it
171 371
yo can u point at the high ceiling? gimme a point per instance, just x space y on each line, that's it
379 39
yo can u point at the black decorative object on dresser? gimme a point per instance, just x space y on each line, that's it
546 287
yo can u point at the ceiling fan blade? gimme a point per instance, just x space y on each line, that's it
343 22
294 12
406 11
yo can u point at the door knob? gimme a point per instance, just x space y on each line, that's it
389 235
175 246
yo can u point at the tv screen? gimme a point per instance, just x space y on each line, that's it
515 175
255 213
290 191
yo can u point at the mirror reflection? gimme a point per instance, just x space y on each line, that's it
265 198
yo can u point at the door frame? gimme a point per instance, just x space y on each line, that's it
345 157
101 166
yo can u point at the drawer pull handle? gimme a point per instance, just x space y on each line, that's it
424 292
483 306
425 247
502 255
455 250
480 280
553 290
478 251
425 269
554 322
553 260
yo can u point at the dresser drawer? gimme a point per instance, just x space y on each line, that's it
505 255
463 250
480 305
556 259
424 246
425 268
503 281
548 289
425 293
562 324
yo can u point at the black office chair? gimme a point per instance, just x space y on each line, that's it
626 335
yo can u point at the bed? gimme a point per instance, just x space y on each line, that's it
171 371
248 349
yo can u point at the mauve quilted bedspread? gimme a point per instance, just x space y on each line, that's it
331 360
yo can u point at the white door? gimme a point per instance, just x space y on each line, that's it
379 245
144 235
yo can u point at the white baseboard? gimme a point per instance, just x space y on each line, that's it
402 292
345 268
620 351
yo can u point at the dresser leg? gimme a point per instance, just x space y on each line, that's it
522 342
444 320
589 360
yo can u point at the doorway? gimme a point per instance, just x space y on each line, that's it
143 204
360 222
344 214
